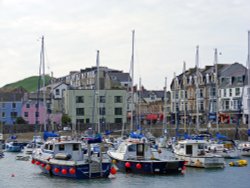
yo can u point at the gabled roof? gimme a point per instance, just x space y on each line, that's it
234 70
10 96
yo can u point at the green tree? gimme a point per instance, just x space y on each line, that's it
66 119
20 120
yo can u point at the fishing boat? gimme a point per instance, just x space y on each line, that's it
137 156
195 153
36 142
67 158
225 148
13 146
244 148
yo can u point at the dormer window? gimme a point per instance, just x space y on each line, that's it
190 80
207 78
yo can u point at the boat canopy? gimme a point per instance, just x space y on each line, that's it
46 135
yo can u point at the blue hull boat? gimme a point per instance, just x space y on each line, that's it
13 147
68 159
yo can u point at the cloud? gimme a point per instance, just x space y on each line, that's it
166 35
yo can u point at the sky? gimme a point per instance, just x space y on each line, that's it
166 34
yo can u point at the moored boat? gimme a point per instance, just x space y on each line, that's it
225 148
13 146
195 153
136 156
66 158
244 148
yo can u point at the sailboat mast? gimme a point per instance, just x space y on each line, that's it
184 96
132 81
42 65
248 89
197 88
97 91
139 102
165 107
216 88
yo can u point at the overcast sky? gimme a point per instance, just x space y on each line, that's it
166 34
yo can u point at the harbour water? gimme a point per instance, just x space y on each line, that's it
22 174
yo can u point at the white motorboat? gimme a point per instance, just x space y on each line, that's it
195 153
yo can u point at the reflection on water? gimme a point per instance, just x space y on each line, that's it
23 174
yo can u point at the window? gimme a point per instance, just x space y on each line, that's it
3 105
51 147
79 121
46 146
102 99
132 148
186 94
240 79
230 92
102 120
57 92
3 114
201 106
225 104
152 97
27 105
224 92
118 99
118 111
212 92
76 147
200 93
80 111
176 95
13 105
118 120
26 114
79 99
61 147
13 114
102 111
237 91
87 120
37 114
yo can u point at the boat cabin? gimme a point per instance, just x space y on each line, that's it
132 150
192 147
67 150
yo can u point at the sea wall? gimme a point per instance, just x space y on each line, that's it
27 131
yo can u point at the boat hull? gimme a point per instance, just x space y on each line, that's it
202 162
82 171
149 166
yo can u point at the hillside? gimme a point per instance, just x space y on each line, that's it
29 84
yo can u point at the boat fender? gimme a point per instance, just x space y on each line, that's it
198 163
238 163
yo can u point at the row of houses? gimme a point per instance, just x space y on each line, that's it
218 91
76 96
196 93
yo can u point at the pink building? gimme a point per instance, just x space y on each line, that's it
32 115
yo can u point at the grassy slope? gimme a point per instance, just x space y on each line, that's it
30 83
